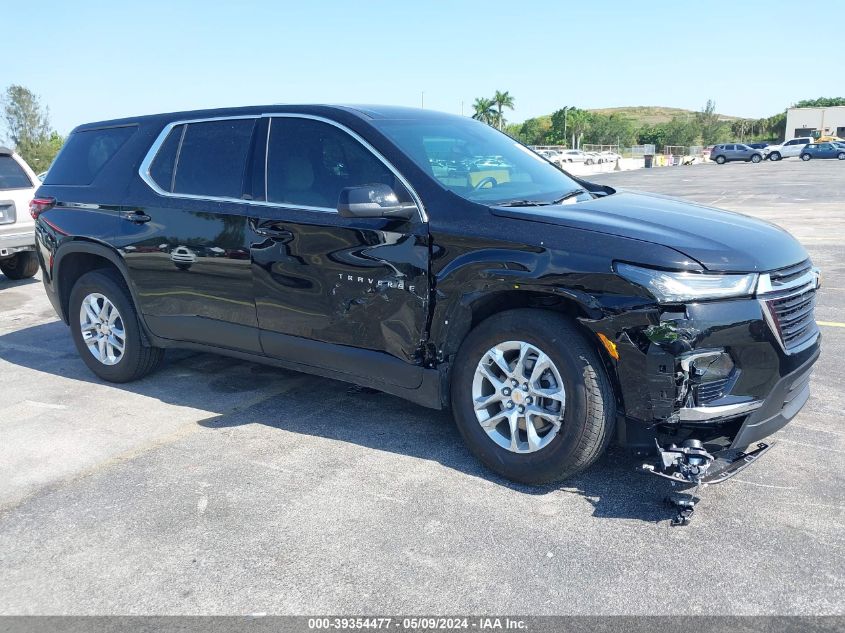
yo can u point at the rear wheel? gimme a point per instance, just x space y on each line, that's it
531 398
841 156
806 156
774 156
20 265
105 328
720 160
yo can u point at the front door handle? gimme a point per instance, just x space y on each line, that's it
271 229
138 217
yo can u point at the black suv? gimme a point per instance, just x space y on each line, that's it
432 257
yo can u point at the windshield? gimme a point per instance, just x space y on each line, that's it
478 162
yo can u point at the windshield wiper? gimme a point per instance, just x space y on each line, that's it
541 203
567 196
522 203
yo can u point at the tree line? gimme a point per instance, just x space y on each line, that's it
28 127
573 126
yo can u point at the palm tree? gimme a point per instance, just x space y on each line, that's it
502 100
484 110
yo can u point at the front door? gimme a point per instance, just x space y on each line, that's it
361 283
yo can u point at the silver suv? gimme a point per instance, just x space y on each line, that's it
735 151
17 228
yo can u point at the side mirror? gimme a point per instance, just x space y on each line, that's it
373 201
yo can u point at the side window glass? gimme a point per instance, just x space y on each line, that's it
163 166
212 158
86 153
309 162
12 175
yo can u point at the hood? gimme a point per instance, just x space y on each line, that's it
718 240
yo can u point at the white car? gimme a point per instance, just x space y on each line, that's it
183 257
792 147
17 228
551 155
610 157
575 156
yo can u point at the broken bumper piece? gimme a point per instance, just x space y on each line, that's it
692 464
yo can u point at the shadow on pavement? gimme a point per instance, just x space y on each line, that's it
5 282
343 412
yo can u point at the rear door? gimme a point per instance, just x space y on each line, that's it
187 246
357 282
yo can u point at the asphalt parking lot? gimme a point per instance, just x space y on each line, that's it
222 487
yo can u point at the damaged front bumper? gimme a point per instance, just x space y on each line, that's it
716 372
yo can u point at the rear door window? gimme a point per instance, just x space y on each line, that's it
212 158
12 175
163 166
86 153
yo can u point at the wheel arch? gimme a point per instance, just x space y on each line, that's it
475 308
77 257
472 308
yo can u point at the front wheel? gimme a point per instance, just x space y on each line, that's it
805 157
105 328
756 158
20 265
774 156
531 398
841 156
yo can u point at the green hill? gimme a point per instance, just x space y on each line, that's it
650 115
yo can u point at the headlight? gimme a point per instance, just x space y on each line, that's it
676 287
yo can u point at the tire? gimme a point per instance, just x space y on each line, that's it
720 160
756 158
775 156
841 156
135 360
805 157
20 265
589 408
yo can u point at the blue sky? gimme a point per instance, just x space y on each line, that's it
99 60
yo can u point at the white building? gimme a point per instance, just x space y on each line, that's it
815 122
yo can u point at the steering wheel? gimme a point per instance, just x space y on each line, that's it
489 179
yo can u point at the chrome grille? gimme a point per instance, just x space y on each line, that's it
788 296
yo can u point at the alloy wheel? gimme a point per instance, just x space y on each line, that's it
102 328
518 396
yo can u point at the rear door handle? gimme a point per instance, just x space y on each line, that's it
138 217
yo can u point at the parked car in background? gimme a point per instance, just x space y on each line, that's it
735 151
792 147
575 156
757 145
17 229
823 150
610 157
551 155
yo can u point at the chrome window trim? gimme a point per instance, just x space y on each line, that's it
313 117
144 169
146 164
